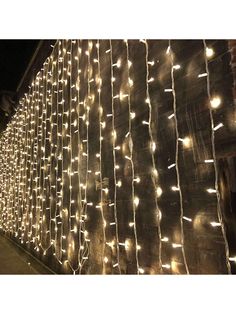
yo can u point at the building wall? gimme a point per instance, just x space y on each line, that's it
103 168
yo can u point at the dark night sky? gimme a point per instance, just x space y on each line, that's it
14 58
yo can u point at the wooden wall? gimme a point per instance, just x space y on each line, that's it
68 84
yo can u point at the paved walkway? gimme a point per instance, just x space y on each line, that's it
14 260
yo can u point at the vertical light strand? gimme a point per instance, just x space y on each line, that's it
48 150
59 102
14 174
33 157
177 158
35 161
30 157
64 187
130 158
43 155
40 162
21 162
85 252
114 160
100 112
79 198
219 211
24 207
154 173
81 121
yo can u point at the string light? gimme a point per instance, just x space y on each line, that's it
135 199
209 53
215 102
116 183
154 174
202 75
52 157
177 159
218 126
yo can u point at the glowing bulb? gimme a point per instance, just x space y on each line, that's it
211 190
209 52
187 142
141 270
131 83
131 224
171 116
105 260
176 67
103 124
158 191
215 224
215 102
119 183
167 266
232 259
132 115
208 160
127 244
220 125
118 64
151 63
202 75
136 201
150 80
165 239
186 218
174 188
154 172
176 245
106 190
153 146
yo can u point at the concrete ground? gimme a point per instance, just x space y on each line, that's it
14 260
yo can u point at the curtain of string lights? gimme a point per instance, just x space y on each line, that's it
109 165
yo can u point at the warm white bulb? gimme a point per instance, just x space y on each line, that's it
105 260
165 239
141 270
187 142
210 190
176 245
215 224
167 266
209 52
132 115
215 102
176 67
119 183
174 188
153 146
136 201
159 191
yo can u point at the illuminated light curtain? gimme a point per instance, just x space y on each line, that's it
109 165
